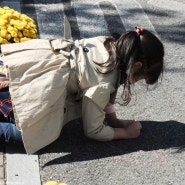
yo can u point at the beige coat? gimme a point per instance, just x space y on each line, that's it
53 82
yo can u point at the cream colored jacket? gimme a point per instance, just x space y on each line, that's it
53 82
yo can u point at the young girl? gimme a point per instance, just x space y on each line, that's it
55 81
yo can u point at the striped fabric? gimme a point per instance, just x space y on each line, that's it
5 100
5 103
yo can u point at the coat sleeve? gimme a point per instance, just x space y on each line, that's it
93 115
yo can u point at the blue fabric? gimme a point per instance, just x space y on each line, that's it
8 130
8 119
5 103
10 133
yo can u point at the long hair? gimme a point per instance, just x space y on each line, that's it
128 48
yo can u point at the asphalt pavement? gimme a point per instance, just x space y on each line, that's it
157 156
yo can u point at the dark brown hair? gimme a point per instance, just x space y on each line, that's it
130 48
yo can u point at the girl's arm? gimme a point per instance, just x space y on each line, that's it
93 121
112 119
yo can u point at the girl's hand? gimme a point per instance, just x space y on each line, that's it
129 130
133 130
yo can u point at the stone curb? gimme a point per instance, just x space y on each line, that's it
2 168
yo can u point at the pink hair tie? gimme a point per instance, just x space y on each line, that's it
139 30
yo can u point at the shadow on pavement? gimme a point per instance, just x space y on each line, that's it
155 136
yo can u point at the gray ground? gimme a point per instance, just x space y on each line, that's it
157 156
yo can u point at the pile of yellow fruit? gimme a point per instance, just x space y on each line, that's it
54 183
15 27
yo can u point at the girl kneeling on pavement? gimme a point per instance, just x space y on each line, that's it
54 81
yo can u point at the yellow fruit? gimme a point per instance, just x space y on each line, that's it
15 27
3 22
51 183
